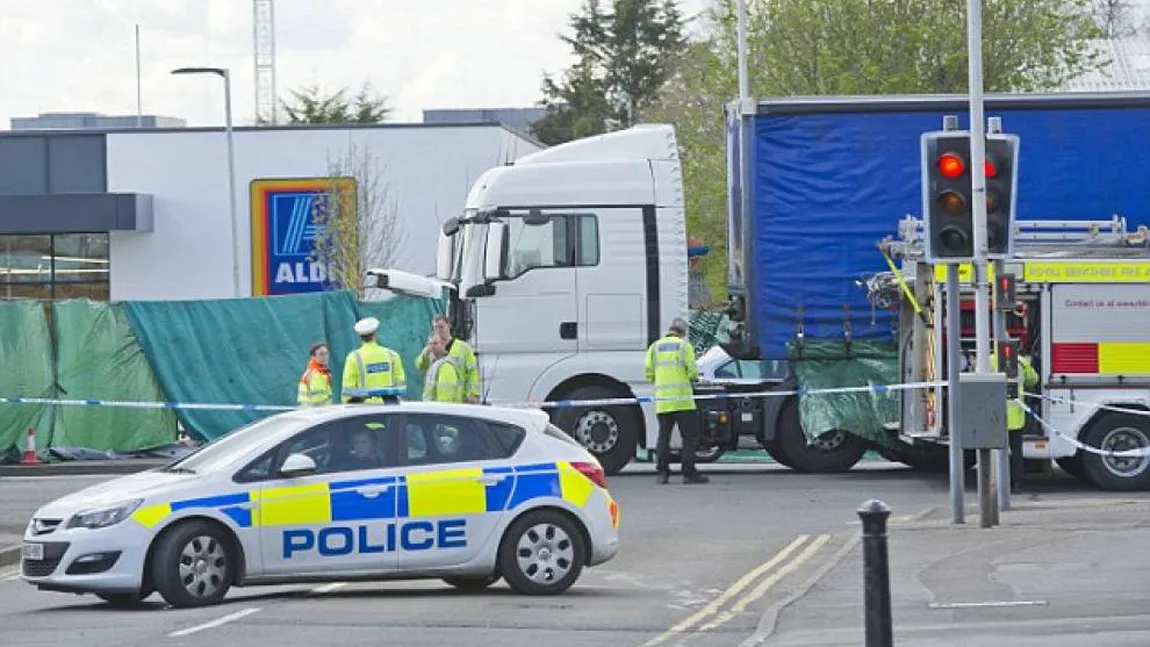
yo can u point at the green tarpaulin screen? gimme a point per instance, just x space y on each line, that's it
253 351
99 358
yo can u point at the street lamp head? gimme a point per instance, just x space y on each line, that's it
202 70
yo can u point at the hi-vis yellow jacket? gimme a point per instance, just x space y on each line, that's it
671 367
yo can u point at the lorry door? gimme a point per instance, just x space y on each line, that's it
535 308
612 277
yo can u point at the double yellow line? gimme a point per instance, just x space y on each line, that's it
712 614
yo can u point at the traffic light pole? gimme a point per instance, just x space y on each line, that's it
953 368
986 500
1002 462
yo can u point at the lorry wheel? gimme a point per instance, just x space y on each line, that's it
834 451
933 459
608 432
775 450
708 454
1073 466
1118 432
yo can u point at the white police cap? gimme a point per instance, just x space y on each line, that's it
366 326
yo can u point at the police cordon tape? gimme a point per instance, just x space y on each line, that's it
1122 453
561 404
557 404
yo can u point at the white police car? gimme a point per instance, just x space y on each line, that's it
465 493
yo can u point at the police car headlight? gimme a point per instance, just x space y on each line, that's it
104 517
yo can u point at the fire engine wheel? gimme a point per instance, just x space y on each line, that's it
834 451
1118 432
608 432
1073 466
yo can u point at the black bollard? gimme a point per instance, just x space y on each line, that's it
876 574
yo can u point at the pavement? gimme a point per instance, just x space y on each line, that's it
761 555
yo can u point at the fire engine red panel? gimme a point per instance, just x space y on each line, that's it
1074 358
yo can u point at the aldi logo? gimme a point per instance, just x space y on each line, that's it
284 232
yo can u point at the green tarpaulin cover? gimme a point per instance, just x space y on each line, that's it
253 351
827 365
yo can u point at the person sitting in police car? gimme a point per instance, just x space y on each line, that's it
372 368
362 455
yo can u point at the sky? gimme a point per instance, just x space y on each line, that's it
79 55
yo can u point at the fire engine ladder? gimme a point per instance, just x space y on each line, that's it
1032 235
1032 238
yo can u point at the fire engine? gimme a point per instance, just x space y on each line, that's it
1081 314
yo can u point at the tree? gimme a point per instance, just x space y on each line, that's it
1114 18
310 105
622 59
357 221
852 47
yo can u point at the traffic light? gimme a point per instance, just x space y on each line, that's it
1001 190
1008 364
946 197
1005 293
947 186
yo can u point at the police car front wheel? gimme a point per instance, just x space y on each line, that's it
542 553
472 583
193 565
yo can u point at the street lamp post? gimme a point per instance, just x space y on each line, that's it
223 73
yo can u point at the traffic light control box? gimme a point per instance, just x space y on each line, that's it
981 398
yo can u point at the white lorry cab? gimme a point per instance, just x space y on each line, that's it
563 268
1080 316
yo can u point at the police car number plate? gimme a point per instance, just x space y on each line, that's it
34 552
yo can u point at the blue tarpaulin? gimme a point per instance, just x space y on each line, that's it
827 187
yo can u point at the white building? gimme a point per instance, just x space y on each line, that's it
144 214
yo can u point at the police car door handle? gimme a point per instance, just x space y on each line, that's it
491 479
372 491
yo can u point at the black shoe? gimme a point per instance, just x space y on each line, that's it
662 479
695 478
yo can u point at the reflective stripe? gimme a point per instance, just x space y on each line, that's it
454 491
362 384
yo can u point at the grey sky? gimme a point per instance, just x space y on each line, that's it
78 55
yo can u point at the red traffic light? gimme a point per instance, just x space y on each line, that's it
951 165
991 168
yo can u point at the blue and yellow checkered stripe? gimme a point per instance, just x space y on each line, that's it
459 491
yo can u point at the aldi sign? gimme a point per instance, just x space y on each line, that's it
284 232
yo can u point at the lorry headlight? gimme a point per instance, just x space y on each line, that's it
104 517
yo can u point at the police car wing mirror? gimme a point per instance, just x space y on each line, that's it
298 465
495 252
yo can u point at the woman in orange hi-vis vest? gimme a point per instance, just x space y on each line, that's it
315 384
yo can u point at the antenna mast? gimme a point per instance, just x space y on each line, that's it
264 48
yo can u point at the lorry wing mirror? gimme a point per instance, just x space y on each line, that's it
535 218
496 248
445 257
451 226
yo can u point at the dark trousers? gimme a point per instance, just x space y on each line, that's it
688 423
1015 457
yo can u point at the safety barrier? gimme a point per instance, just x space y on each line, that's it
556 404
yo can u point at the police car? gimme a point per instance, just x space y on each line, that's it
464 493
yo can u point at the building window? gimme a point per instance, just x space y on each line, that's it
50 267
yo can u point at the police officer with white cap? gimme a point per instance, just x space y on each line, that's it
372 373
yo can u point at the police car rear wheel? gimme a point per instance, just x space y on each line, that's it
120 600
193 566
542 554
472 583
